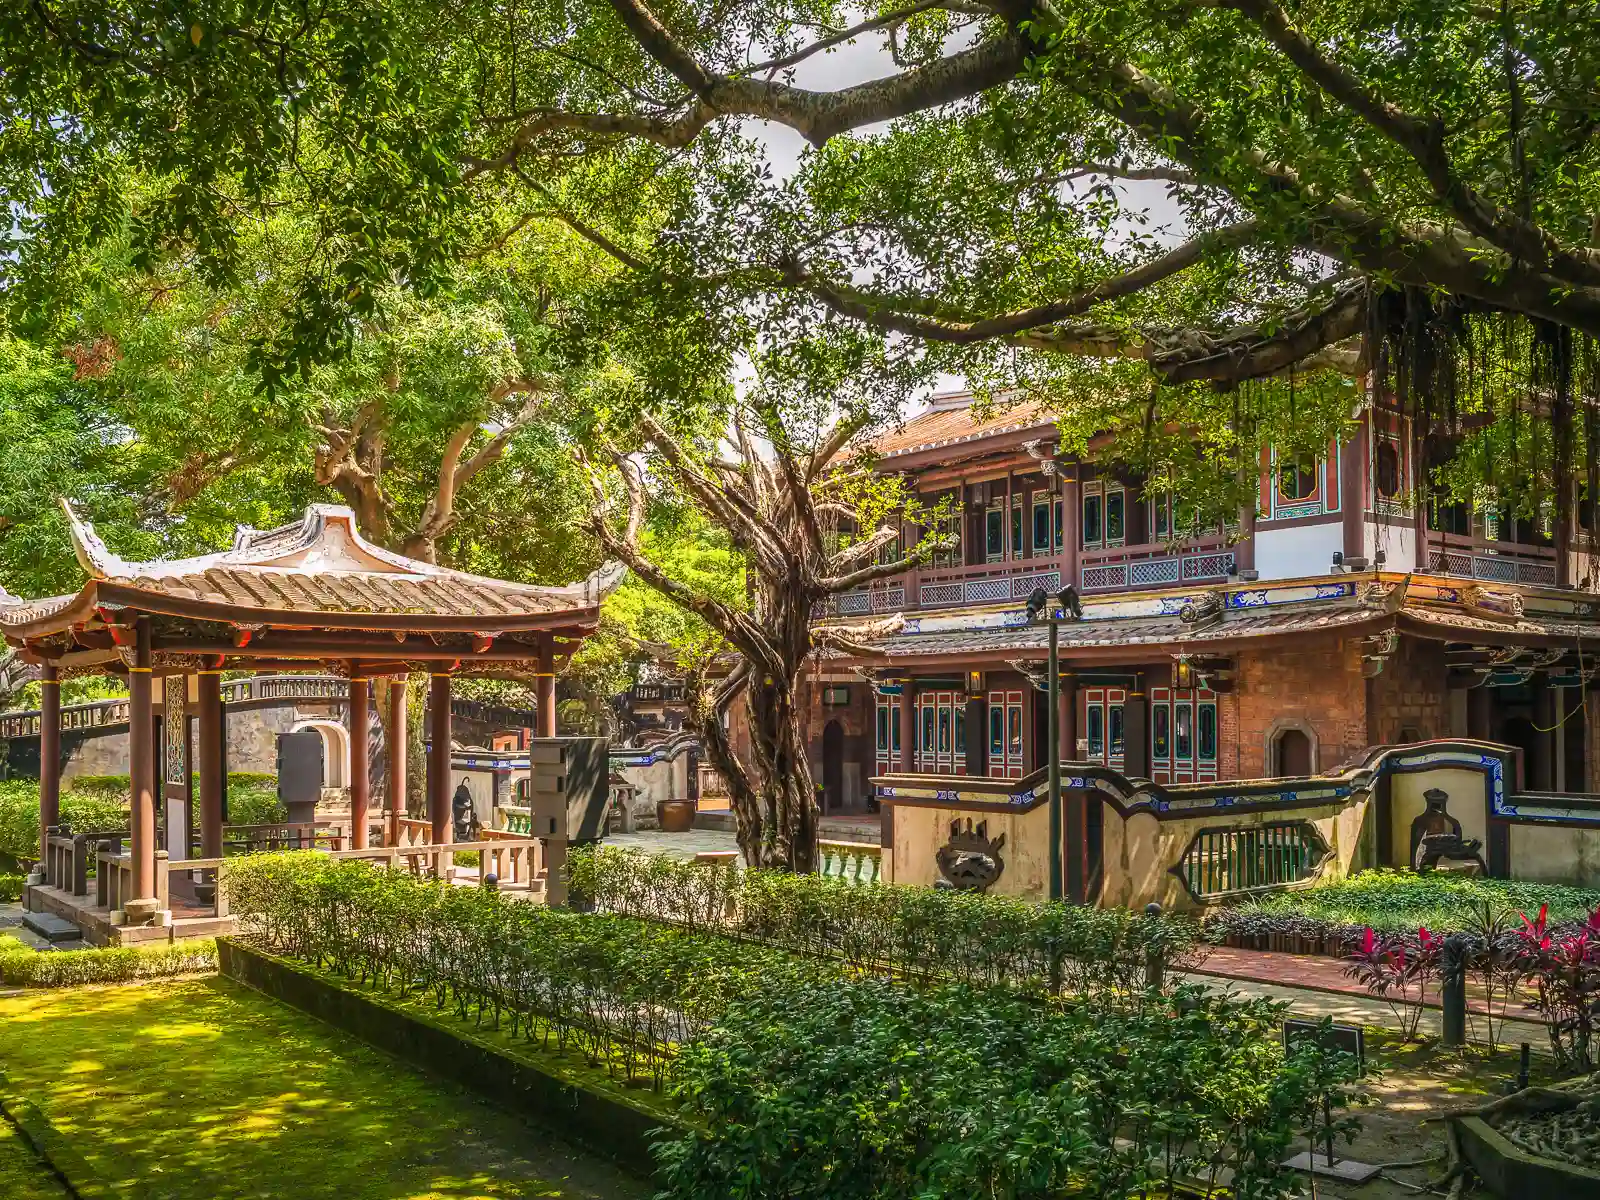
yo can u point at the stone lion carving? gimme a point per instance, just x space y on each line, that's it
970 861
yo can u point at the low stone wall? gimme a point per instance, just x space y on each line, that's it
1190 846
1511 1172
609 1125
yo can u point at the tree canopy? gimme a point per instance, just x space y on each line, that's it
964 212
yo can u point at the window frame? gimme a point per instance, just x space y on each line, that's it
1098 496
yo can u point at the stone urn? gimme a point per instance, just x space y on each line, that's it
675 816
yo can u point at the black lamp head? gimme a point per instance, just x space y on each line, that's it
1338 558
1037 599
1071 604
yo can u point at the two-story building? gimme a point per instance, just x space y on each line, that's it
1332 618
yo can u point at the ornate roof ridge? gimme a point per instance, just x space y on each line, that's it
331 527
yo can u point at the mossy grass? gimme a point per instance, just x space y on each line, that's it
23 1175
201 1088
536 1050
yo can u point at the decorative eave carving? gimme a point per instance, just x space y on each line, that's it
1203 610
1046 458
1376 651
1381 595
1496 605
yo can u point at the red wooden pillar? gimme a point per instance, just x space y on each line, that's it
439 759
547 700
142 765
49 753
398 724
1136 731
213 784
908 726
360 776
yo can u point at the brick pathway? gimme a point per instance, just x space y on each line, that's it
1317 985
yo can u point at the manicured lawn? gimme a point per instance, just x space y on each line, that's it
23 1176
203 1088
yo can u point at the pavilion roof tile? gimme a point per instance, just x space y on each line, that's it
1129 631
318 564
948 426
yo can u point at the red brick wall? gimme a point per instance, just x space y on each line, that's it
1410 694
1316 682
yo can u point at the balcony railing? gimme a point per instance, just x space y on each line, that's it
882 598
1153 566
986 583
1125 568
1492 562
657 693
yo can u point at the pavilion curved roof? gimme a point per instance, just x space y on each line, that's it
318 572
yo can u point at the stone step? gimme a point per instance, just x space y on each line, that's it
51 927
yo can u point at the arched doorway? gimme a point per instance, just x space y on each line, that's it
1292 754
335 750
832 767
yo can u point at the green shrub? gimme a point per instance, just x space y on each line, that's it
91 811
22 966
863 1088
10 887
107 787
811 1081
253 800
1399 902
621 991
918 932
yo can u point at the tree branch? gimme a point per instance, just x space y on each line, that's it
816 116
741 519
626 548
1424 141
886 20
1421 254
1161 267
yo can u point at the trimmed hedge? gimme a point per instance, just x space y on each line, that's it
100 803
916 932
622 991
11 887
19 815
1334 915
23 966
806 1079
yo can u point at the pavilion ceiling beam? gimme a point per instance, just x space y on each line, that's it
341 649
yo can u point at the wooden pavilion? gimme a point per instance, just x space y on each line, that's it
310 593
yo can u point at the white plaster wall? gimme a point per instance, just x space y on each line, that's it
1298 552
1398 543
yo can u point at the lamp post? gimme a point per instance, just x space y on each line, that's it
1069 607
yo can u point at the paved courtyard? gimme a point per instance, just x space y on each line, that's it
678 845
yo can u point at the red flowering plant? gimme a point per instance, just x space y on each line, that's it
1562 969
1397 968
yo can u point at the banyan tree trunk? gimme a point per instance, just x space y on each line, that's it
772 797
